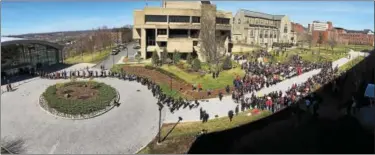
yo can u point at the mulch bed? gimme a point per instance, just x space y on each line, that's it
182 86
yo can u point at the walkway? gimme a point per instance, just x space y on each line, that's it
216 107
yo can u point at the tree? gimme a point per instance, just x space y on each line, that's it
332 41
196 66
164 56
227 63
209 42
138 57
176 56
155 58
320 40
189 58
309 40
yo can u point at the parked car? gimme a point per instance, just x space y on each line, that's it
115 51
137 47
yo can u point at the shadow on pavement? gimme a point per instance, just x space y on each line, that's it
280 132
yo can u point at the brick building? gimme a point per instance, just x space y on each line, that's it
353 37
317 29
298 28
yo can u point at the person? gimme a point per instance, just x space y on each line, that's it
220 96
227 89
230 115
236 110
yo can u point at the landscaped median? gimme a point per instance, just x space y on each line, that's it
350 64
183 135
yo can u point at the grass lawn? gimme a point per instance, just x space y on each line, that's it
167 91
351 64
183 135
325 54
357 47
225 77
88 57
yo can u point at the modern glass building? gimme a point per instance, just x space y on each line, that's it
18 54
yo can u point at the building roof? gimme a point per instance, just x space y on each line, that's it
13 40
261 15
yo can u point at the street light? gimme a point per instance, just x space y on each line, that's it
160 109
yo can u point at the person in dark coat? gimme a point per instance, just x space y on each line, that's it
230 115
236 110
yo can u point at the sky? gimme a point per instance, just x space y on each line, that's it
22 17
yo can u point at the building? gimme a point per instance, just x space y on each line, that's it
176 26
298 28
256 28
320 29
17 54
354 37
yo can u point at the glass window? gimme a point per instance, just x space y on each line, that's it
155 18
222 20
196 19
162 31
179 19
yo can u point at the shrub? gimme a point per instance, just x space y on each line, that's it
227 64
155 58
196 65
164 56
138 57
176 57
189 58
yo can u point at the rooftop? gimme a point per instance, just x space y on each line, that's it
6 39
261 15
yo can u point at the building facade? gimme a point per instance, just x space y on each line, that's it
353 37
256 28
18 54
176 26
320 29
298 28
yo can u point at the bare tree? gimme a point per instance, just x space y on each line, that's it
211 44
332 41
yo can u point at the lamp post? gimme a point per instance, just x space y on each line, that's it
159 133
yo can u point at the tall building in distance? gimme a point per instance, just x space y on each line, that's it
320 29
176 26
256 28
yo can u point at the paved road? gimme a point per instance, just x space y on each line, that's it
122 130
108 62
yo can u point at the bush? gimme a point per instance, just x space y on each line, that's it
227 64
189 58
176 57
164 56
196 65
155 58
80 106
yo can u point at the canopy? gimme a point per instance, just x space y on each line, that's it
370 91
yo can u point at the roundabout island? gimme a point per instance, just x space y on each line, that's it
79 99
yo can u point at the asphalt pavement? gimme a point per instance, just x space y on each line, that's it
113 59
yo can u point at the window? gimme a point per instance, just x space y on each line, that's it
179 19
285 28
155 18
266 34
163 44
252 33
261 34
196 19
162 31
222 20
